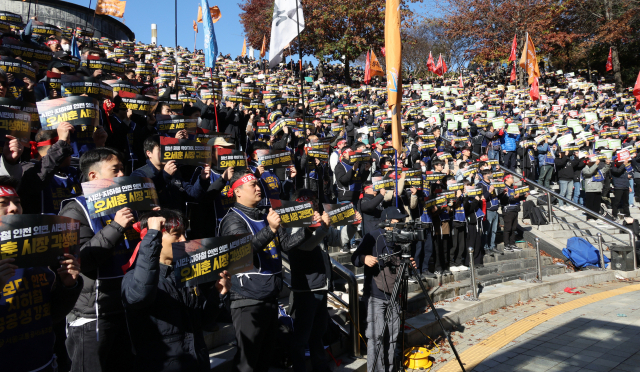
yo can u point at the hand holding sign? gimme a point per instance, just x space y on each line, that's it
274 220
12 149
69 270
124 217
7 270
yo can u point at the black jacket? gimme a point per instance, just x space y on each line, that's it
370 208
36 175
373 244
564 165
166 322
619 176
260 287
345 178
95 249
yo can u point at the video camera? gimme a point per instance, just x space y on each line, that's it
404 232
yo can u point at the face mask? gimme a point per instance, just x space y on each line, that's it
66 47
424 169
199 122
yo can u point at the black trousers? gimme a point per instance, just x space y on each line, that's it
510 160
592 202
256 328
474 239
442 251
458 245
310 318
510 227
620 197
423 252
112 352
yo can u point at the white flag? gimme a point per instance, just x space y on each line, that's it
284 28
250 55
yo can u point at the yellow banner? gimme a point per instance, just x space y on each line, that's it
529 61
375 68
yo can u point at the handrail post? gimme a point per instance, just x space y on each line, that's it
602 267
354 304
633 249
550 208
538 259
474 285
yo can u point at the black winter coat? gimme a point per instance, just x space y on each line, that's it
166 322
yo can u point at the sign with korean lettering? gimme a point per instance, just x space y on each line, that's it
76 110
139 104
202 260
29 54
173 124
184 151
73 85
341 214
522 190
105 65
18 68
27 107
292 213
319 154
433 176
228 158
15 123
380 183
37 240
121 85
109 195
273 158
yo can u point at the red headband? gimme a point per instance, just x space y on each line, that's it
303 199
240 182
505 177
50 42
7 191
35 145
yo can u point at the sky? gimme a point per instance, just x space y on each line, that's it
140 14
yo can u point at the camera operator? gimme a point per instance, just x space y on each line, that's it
379 277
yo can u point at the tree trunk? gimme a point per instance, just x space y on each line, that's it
617 76
347 75
320 68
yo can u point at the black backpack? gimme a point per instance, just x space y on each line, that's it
537 217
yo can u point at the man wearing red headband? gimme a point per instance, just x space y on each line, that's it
56 289
334 159
254 295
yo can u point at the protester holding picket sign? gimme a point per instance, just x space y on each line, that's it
27 343
97 326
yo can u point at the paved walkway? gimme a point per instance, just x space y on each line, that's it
597 330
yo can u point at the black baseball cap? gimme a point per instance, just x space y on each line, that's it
392 213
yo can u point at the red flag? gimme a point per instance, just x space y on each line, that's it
513 73
636 92
438 69
534 93
461 83
444 67
430 65
512 56
609 66
383 52
367 70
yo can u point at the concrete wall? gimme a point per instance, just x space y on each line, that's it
64 14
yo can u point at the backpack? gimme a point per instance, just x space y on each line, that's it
527 208
581 253
537 217
542 200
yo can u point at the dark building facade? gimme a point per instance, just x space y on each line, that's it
65 14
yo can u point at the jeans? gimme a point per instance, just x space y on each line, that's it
632 193
578 194
510 160
376 310
490 226
566 190
310 318
493 155
546 171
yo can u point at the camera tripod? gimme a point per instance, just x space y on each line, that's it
401 286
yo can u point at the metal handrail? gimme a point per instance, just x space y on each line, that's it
354 304
632 238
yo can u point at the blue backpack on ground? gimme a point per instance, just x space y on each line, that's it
582 253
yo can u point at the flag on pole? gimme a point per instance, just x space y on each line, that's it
367 69
529 61
430 65
215 13
609 65
376 68
111 7
438 69
210 43
444 67
393 45
244 47
263 50
461 83
636 92
534 92
514 46
382 51
74 50
284 28
513 73
195 27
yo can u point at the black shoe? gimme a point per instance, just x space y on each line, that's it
478 266
345 248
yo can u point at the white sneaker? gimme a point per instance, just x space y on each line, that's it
570 208
600 223
454 269
462 268
533 192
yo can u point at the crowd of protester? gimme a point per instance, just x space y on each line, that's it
458 136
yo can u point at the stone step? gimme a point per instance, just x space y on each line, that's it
417 301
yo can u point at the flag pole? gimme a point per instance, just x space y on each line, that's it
215 102
304 109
